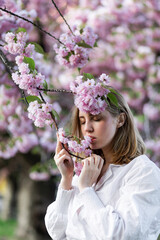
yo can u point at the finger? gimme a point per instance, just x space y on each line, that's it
66 147
62 152
63 158
101 162
97 161
92 160
85 163
59 146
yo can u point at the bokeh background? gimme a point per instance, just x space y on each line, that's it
128 51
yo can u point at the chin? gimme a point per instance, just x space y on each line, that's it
95 147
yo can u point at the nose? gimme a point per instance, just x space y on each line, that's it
88 127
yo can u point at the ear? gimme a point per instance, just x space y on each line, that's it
121 120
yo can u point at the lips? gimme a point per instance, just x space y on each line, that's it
92 139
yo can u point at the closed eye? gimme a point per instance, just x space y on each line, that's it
81 123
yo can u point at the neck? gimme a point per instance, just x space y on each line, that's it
107 160
107 155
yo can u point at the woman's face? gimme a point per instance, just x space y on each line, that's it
101 128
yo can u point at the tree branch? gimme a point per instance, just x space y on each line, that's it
7 64
54 90
34 24
62 16
9 68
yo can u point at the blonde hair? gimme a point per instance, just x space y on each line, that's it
127 142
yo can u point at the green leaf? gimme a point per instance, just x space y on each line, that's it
38 47
21 30
95 44
7 86
55 114
45 85
114 91
83 44
30 62
112 98
106 101
88 76
81 30
68 56
32 99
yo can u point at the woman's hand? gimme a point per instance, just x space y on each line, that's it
91 170
65 165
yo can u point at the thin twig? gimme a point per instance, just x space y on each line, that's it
42 98
24 96
27 20
6 62
54 90
62 17
9 68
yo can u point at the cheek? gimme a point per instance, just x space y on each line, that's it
108 129
82 130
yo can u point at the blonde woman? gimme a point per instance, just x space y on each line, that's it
117 194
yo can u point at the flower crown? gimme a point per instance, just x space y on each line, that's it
91 95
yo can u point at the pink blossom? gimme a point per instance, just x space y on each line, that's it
30 48
39 176
39 123
21 37
1 3
27 142
9 37
19 59
152 112
57 107
89 93
16 78
33 107
47 107
78 167
73 145
74 53
24 68
104 78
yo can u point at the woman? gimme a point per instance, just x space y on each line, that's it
117 194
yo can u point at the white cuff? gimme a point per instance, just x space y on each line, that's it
62 200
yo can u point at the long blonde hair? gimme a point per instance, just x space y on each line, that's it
127 142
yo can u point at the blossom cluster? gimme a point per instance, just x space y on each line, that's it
40 113
77 46
73 145
90 94
26 77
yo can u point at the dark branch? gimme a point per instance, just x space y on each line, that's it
7 64
9 68
62 16
54 90
34 24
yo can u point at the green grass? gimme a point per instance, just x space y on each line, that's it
7 228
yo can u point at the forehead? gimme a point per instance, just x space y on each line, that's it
85 114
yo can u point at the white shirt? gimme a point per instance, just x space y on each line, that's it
123 205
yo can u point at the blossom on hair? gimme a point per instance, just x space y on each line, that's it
77 46
90 95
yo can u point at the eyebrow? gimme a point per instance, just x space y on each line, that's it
91 115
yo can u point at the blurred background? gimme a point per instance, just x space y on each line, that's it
128 51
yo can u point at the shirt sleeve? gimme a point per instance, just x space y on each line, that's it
133 214
56 215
